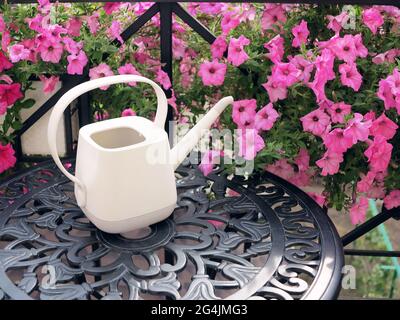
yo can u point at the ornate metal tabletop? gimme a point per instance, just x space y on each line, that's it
228 238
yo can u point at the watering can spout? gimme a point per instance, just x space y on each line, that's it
189 141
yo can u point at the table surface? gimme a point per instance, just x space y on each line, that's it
228 238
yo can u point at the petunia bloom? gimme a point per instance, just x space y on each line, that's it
338 111
358 211
300 33
244 112
373 19
350 76
218 47
76 63
266 117
212 73
10 93
49 83
163 79
337 142
129 69
4 62
379 154
384 126
128 112
102 70
18 52
392 200
316 122
236 53
250 143
357 129
330 163
7 158
51 51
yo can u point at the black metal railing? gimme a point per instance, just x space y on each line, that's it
166 9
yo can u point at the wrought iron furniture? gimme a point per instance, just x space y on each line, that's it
231 238
166 9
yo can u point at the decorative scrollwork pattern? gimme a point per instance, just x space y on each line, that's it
228 238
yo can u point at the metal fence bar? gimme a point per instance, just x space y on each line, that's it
166 51
371 253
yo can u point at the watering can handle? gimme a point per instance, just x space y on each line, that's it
71 95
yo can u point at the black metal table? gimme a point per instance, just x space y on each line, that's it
229 238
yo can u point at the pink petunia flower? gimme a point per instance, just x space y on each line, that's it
18 52
51 51
361 50
2 24
330 163
358 211
303 160
274 15
365 184
379 154
129 69
324 72
356 129
128 112
102 70
163 79
276 91
266 117
229 22
212 73
337 142
4 62
338 111
350 76
10 93
336 23
74 26
276 49
209 159
218 47
244 112
304 66
114 31
383 126
212 8
236 53
93 23
49 84
392 200
316 122
110 7
7 158
345 48
250 143
76 63
373 19
285 74
385 93
5 40
300 33
72 46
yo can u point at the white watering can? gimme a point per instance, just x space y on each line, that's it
124 176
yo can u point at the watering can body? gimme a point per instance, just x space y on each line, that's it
124 174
